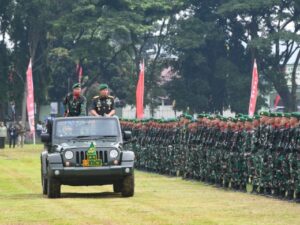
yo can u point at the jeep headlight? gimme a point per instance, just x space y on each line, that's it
69 155
113 153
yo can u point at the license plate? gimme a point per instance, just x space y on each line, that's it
91 163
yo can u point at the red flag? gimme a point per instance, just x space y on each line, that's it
254 90
30 98
79 72
140 93
276 101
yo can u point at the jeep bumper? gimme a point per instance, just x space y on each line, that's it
89 175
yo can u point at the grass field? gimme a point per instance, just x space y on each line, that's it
158 200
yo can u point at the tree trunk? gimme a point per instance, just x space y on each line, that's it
294 84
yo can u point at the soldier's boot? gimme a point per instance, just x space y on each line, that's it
234 186
268 191
254 189
219 182
290 195
276 192
226 184
243 187
297 199
261 190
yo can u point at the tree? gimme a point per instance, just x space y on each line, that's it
270 29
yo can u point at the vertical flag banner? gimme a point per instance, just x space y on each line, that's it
140 93
79 72
276 101
30 98
254 90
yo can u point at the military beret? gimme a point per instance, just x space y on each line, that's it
296 115
103 86
264 113
241 119
287 115
189 117
77 85
201 115
219 116
234 120
239 115
273 114
279 114
256 117
249 119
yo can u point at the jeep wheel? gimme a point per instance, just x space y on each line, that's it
53 188
117 187
128 186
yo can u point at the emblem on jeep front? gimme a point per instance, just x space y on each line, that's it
92 159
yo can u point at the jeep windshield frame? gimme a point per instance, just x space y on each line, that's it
86 128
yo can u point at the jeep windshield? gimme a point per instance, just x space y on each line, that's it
86 128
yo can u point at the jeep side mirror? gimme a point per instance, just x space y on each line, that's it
45 137
127 135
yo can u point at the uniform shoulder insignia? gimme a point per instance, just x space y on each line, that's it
111 97
97 96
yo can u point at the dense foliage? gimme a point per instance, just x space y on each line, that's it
210 46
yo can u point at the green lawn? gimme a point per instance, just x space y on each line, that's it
158 200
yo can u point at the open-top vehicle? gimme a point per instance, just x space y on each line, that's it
86 151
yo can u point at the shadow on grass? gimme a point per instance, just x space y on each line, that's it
21 196
91 195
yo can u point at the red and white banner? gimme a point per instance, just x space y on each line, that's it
276 101
30 98
79 72
254 90
140 93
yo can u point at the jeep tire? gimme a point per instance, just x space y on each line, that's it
44 185
128 186
117 186
53 188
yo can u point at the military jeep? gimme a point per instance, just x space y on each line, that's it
86 151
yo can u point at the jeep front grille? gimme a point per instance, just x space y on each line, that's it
81 155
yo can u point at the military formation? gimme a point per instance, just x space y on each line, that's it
259 154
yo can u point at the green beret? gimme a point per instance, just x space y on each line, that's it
77 85
234 120
201 115
241 119
239 115
218 116
103 86
264 113
287 115
145 120
296 115
249 119
279 114
189 117
256 117
273 114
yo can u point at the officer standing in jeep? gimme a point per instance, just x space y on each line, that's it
75 103
103 104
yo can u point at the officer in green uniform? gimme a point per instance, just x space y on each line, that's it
75 103
103 104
